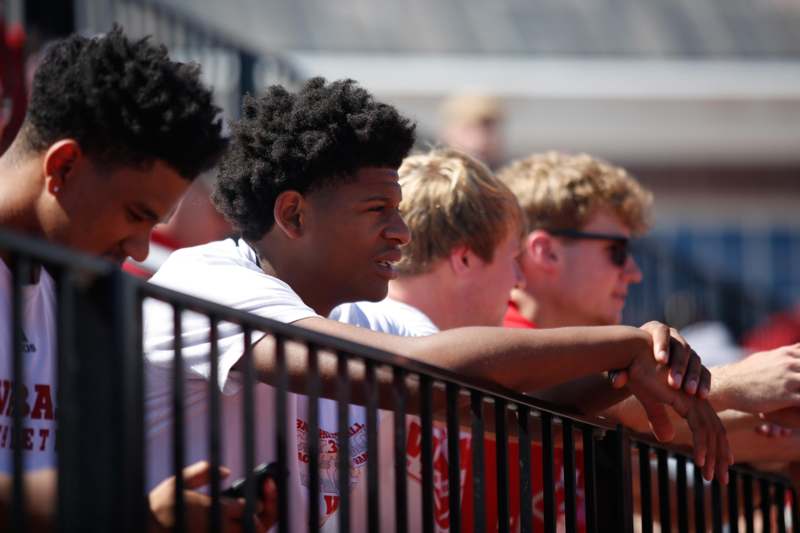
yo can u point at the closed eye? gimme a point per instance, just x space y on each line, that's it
135 216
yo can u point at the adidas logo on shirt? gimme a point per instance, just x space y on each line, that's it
27 346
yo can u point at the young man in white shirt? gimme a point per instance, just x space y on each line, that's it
466 234
114 134
310 182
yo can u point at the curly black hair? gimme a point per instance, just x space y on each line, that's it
126 103
318 136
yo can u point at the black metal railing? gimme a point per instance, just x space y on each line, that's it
230 64
102 451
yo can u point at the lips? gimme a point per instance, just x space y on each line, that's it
385 263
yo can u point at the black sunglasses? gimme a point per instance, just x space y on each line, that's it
620 245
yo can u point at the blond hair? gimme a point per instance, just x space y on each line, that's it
451 199
562 191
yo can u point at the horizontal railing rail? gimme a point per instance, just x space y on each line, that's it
532 466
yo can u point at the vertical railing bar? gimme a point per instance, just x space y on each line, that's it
569 476
215 514
68 371
716 506
453 459
343 439
373 452
749 515
281 416
766 505
683 501
548 482
733 501
501 453
780 507
478 471
427 452
699 501
664 508
525 481
615 499
21 273
400 488
178 431
645 487
312 438
590 478
130 458
248 414
795 510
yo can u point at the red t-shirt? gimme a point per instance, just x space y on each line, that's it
514 319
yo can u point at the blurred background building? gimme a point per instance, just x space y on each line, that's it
699 98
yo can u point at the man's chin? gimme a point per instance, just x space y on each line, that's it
117 260
374 294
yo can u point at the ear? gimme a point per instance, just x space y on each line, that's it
462 260
58 164
289 213
542 251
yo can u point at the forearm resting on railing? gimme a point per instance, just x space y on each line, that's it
521 360
588 396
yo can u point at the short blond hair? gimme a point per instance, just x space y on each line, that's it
451 199
562 191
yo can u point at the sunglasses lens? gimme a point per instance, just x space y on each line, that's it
619 253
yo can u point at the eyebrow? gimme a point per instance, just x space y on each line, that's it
147 212
377 198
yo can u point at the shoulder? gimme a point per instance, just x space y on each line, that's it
387 316
227 272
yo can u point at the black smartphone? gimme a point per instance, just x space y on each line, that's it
260 474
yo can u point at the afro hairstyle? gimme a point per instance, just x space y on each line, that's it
126 103
319 136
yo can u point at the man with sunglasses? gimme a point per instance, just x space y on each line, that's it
582 213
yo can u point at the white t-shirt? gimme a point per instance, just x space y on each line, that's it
388 316
398 318
39 334
227 272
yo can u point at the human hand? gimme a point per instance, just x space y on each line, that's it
197 505
670 348
648 382
787 418
763 382
768 429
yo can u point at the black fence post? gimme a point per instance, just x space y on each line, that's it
101 456
614 482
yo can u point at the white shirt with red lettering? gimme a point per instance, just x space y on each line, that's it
398 318
38 334
227 272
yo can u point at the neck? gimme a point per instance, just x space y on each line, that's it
19 187
542 312
278 261
437 304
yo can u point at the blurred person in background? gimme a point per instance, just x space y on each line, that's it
777 330
582 214
473 123
13 97
96 164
